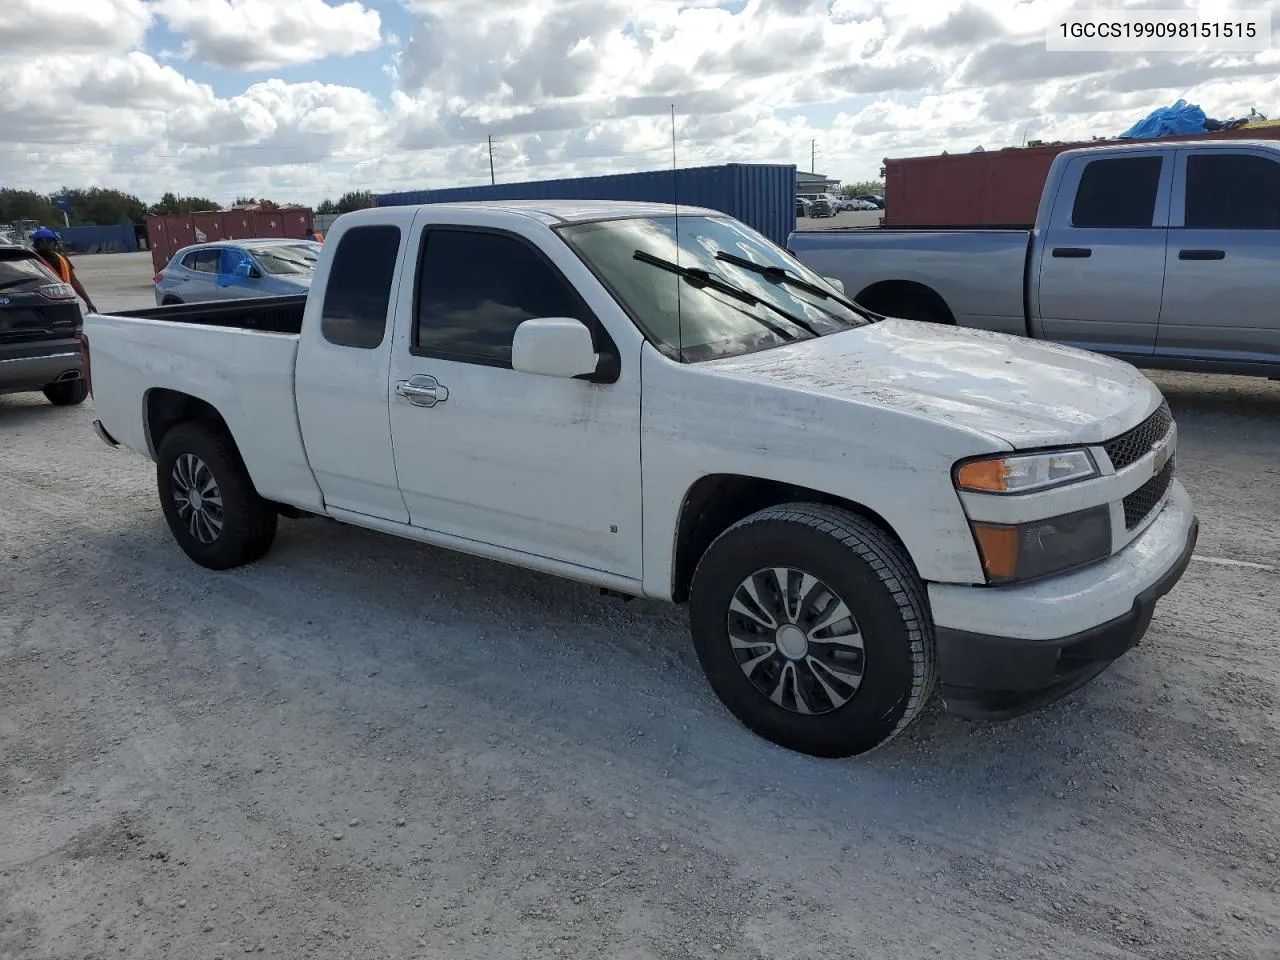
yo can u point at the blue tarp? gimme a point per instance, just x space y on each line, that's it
1180 118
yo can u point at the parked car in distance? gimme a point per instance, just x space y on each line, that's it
823 207
40 325
1163 254
875 201
852 506
232 269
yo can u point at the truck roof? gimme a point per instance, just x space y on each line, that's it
1166 143
565 211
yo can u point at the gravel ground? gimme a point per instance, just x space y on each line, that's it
365 748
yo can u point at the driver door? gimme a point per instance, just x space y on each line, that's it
537 464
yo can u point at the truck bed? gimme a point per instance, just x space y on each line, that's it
978 273
263 314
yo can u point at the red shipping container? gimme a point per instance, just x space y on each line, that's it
994 188
267 223
238 225
208 227
166 235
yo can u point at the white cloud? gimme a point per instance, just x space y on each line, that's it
269 34
565 86
30 27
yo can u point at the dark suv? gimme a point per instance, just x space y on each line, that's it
40 325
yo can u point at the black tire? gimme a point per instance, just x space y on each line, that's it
67 393
170 302
864 568
248 523
912 306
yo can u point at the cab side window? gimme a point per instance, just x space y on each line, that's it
475 287
1118 193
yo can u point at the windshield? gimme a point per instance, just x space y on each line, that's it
689 320
287 258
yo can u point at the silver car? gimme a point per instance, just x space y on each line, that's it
232 269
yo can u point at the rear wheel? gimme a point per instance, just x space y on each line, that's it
208 499
170 302
67 393
813 629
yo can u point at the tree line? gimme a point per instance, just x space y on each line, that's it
862 188
100 206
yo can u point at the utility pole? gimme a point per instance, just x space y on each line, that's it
813 156
491 179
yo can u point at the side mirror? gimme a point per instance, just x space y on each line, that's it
555 347
838 284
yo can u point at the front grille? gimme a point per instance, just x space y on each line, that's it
1139 504
1132 445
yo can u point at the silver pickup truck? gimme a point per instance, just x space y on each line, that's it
1165 255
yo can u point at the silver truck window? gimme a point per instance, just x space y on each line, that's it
358 291
1119 193
1232 191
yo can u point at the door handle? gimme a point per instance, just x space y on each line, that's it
422 390
1202 254
1075 253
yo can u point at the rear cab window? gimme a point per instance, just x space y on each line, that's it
357 294
1232 191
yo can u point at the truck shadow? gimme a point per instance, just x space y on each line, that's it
611 684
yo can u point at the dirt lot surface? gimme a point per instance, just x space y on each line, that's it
365 748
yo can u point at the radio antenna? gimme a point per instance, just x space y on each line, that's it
675 203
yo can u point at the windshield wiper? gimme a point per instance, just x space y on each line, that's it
782 275
707 279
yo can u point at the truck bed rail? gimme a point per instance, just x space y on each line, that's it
263 314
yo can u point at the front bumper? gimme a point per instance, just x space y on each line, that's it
1044 651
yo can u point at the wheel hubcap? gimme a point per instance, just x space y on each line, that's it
796 640
197 497
792 643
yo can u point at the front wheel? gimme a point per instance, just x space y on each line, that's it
812 626
208 499
67 393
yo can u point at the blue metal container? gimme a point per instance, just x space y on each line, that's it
115 238
762 196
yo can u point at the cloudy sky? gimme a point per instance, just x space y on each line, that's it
301 99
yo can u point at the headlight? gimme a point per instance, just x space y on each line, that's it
1027 551
1024 473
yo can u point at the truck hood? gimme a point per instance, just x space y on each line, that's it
1025 392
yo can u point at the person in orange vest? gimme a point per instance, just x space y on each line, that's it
316 236
45 242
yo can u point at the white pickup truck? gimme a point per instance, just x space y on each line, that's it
854 507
